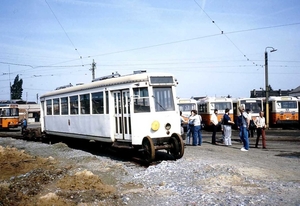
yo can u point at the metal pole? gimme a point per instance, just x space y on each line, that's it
267 84
9 83
267 89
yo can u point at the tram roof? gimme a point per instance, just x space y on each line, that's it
131 78
207 99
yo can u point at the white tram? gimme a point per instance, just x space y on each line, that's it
134 111
186 105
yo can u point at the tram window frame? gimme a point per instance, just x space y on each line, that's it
85 104
97 103
73 105
64 104
164 99
141 100
106 102
56 110
49 106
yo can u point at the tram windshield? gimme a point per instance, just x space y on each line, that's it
221 105
9 112
255 107
286 104
163 99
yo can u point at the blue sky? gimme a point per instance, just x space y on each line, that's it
53 43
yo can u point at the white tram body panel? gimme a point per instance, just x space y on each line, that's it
134 107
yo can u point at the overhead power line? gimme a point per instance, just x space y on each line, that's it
63 29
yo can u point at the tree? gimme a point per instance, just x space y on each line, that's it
16 88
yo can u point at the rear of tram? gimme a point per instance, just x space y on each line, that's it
156 120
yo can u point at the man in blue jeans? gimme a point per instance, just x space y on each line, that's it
244 126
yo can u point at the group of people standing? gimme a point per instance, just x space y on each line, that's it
194 128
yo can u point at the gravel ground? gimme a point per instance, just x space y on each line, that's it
206 175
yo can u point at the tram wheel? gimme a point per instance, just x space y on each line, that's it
148 149
177 146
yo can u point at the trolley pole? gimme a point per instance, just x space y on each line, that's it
267 84
93 69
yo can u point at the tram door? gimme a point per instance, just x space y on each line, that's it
122 115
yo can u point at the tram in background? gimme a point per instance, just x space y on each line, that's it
186 105
207 105
255 105
136 111
283 111
9 116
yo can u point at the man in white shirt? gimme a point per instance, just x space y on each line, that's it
261 125
214 121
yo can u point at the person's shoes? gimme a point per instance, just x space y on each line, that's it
264 148
256 147
244 150
215 143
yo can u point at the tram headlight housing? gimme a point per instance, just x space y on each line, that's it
168 126
155 125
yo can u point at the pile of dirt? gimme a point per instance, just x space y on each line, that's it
28 180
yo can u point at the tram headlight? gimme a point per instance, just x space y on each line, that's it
155 125
168 126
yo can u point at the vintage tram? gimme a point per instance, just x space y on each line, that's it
283 111
207 105
9 116
136 111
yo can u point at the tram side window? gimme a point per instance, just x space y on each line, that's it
74 104
64 105
141 100
97 103
85 104
3 112
107 102
49 106
56 106
163 98
15 112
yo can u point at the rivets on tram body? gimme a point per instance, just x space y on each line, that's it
155 125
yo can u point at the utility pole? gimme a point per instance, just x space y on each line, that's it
93 69
9 83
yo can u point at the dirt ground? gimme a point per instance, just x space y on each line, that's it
27 179
31 180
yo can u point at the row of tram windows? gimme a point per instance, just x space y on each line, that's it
93 103
77 104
